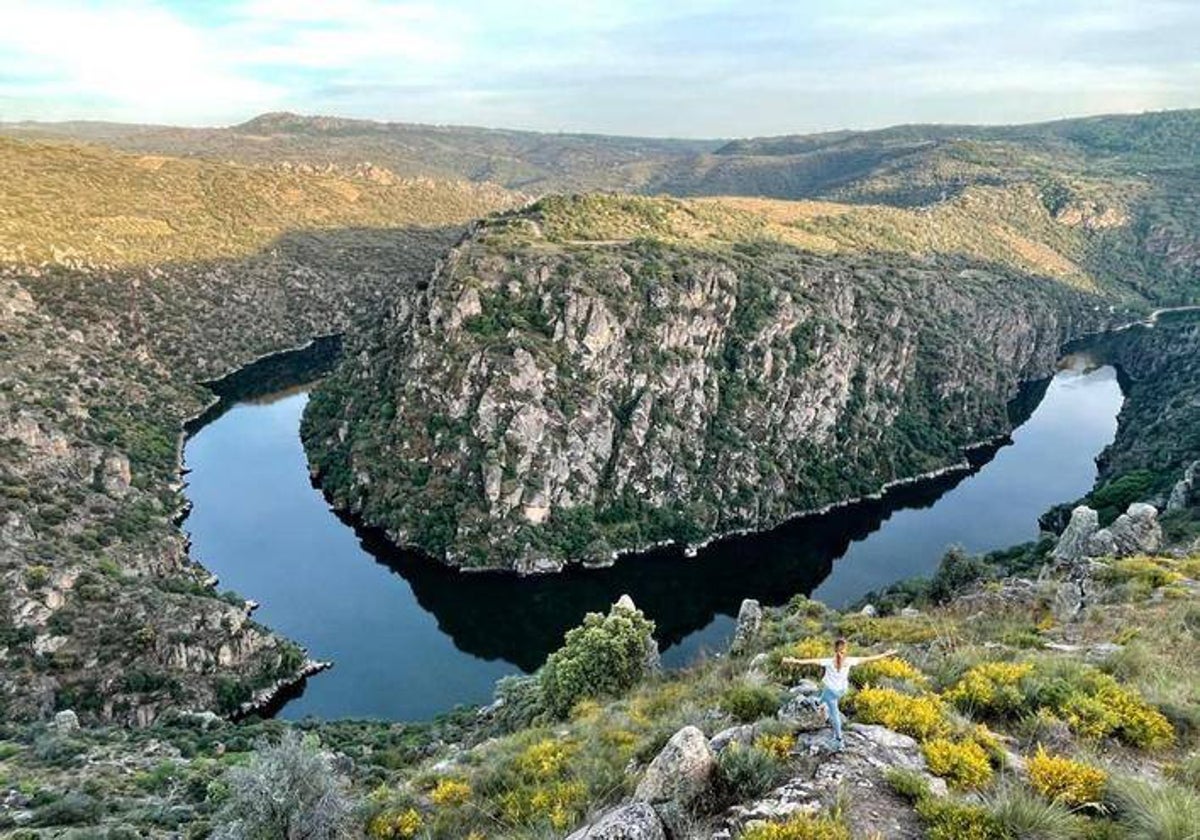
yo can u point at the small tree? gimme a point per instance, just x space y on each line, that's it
607 654
288 791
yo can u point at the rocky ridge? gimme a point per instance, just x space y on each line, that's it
552 399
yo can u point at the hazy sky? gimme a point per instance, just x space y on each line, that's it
698 68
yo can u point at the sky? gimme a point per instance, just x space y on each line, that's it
704 68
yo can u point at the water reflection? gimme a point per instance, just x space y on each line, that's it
412 638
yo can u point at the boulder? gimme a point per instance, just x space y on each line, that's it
625 822
743 734
1137 531
869 611
66 721
1073 544
1186 492
681 772
803 711
749 622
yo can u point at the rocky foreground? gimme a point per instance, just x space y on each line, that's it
1048 691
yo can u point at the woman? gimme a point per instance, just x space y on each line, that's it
836 681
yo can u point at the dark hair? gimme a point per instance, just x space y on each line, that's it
840 641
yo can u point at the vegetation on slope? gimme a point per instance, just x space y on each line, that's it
1042 726
101 609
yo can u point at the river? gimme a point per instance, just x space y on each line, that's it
411 638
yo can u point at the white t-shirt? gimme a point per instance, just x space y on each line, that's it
838 680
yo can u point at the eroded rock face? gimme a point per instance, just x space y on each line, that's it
681 773
1136 531
546 402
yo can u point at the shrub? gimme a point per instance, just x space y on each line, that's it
870 630
800 827
1115 710
909 784
921 717
1026 816
604 656
1162 811
964 764
521 702
73 809
956 571
559 804
1186 771
777 744
991 688
747 703
287 790
1064 780
947 819
396 825
893 668
450 793
747 772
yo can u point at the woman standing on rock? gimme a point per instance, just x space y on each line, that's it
836 681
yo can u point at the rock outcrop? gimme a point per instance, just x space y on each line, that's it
681 773
749 622
1186 492
1136 531
637 821
552 400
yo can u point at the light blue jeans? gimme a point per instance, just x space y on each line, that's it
830 698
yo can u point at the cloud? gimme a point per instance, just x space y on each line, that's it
707 67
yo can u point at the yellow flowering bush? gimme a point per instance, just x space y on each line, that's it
450 793
1117 711
1147 572
545 759
779 746
1064 780
991 688
561 804
963 764
396 825
799 827
921 717
892 668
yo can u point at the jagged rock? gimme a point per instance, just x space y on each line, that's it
1073 544
1101 544
803 711
1137 531
805 686
66 721
869 611
681 772
749 622
626 822
757 672
1186 492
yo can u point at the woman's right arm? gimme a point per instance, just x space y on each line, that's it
787 660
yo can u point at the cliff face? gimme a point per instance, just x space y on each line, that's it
551 399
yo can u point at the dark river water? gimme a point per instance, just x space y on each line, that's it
411 639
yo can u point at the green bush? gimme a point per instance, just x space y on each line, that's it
606 655
746 773
948 819
908 784
1027 816
1162 811
747 703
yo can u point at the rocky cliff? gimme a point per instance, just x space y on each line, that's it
557 395
124 282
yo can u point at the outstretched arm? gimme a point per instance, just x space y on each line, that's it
861 659
788 660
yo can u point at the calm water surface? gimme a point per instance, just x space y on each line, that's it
411 639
